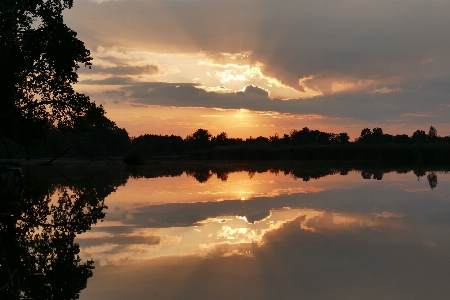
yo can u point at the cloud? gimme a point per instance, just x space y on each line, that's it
120 60
119 239
109 81
292 39
193 95
346 264
251 89
367 106
389 198
122 70
358 60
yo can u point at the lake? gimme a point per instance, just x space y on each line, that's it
170 231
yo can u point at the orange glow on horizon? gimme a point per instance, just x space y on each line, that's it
237 123
238 186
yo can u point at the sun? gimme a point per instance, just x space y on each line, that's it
242 113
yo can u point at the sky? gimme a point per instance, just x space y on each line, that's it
260 67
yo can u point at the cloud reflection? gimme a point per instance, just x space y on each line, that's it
226 235
202 239
349 238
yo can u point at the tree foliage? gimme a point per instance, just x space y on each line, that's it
199 139
39 57
432 132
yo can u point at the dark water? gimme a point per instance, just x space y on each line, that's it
174 231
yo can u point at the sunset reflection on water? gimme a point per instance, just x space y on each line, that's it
336 234
238 185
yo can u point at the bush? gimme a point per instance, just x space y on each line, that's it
135 158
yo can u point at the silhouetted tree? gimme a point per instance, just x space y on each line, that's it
285 139
432 135
419 136
39 57
401 139
311 137
274 138
262 139
375 136
343 138
201 135
365 132
151 144
96 135
432 132
221 139
300 137
199 139
377 131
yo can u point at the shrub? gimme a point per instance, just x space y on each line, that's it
135 158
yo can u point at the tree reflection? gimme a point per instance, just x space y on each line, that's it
223 176
39 258
376 174
200 175
203 172
419 172
431 177
432 180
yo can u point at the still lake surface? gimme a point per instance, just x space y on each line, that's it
227 231
273 235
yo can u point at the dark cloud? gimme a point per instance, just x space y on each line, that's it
368 106
121 240
119 61
115 96
395 53
122 70
191 95
109 81
359 264
251 89
351 40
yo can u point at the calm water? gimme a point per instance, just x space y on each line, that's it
269 233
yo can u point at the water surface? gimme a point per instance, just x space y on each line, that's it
273 235
102 230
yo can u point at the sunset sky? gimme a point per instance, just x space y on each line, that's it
260 67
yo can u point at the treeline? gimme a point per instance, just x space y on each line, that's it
202 144
304 144
202 140
91 136
100 137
